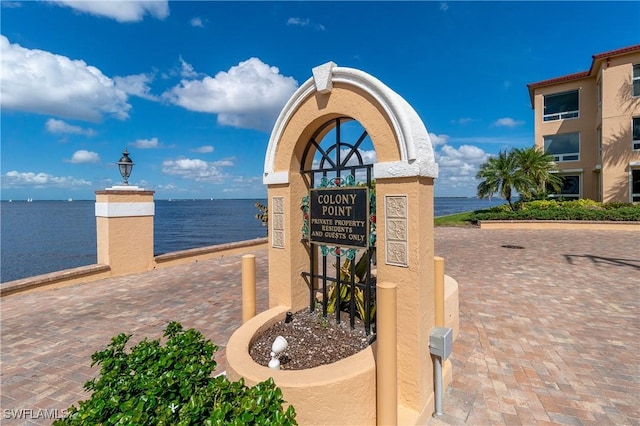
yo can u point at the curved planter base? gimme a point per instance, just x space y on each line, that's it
335 394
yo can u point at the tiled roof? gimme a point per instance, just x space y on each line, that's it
617 52
568 77
582 74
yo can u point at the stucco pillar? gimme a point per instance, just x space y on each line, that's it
124 227
288 256
405 257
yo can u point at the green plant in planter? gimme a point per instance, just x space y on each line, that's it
345 287
172 384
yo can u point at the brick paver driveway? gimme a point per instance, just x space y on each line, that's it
549 333
550 328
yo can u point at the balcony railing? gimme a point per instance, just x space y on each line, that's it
561 115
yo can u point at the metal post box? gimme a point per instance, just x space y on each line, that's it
441 342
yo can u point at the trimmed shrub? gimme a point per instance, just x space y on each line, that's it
172 384
588 210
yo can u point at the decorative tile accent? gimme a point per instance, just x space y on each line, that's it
278 204
397 229
396 233
396 206
277 222
397 253
278 239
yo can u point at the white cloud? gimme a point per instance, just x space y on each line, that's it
225 162
462 121
58 126
168 187
137 85
83 156
507 141
299 22
249 95
196 169
437 140
15 179
186 69
457 169
122 10
203 149
10 4
244 181
146 143
507 122
41 82
196 22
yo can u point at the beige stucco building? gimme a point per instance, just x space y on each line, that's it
590 122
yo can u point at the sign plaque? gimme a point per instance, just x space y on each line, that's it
339 216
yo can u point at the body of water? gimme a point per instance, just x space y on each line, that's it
47 236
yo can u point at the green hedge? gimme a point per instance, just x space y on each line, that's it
561 210
172 384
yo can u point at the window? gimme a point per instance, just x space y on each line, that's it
563 147
562 105
636 80
570 188
599 94
636 132
635 185
599 145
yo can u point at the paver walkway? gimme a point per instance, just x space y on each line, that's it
550 333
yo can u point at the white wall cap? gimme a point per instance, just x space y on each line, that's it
124 188
275 178
397 169
125 209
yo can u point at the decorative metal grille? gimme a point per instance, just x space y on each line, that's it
346 286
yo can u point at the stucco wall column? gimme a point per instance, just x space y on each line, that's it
288 257
124 229
415 292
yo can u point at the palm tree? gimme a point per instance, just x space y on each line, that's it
538 166
502 175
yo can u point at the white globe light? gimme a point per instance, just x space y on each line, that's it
279 345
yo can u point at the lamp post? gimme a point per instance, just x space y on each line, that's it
125 165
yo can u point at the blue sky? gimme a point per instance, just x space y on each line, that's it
193 88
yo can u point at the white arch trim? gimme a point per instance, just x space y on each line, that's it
416 150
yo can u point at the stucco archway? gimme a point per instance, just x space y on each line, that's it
413 154
404 175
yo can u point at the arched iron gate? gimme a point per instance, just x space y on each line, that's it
347 285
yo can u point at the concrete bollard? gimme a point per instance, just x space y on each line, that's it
438 270
387 355
248 287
